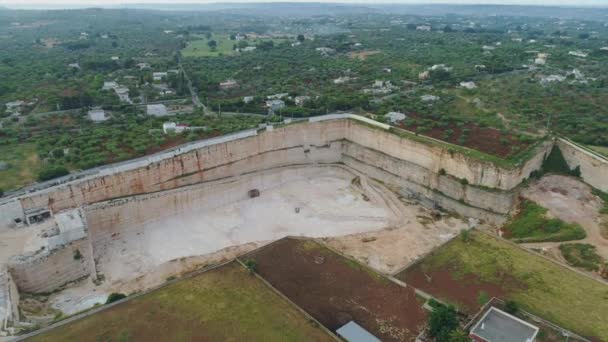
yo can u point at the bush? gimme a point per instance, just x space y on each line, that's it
581 255
52 171
442 322
251 265
114 297
483 298
464 181
442 172
465 235
511 307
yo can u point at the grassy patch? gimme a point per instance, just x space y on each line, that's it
552 292
532 225
24 165
581 255
200 48
224 304
600 149
603 212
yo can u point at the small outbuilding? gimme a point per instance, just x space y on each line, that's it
97 115
498 326
157 110
353 332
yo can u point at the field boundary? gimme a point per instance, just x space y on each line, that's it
289 301
556 262
104 307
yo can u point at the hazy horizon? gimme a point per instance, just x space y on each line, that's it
33 4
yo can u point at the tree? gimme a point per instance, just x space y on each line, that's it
511 307
212 44
52 171
301 38
458 335
442 321
114 297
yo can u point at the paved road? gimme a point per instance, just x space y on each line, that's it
195 99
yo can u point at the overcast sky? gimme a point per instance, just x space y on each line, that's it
81 3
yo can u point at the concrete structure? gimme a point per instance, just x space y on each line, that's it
498 326
353 332
159 76
109 85
395 117
97 115
274 106
172 127
157 110
229 84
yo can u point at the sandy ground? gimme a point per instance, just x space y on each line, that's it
328 206
570 200
361 218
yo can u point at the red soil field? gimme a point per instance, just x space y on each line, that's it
484 139
336 290
461 291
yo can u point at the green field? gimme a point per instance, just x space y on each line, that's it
600 149
24 165
225 304
532 225
200 48
538 285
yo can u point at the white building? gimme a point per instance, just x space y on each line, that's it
157 110
229 84
276 96
159 76
248 99
274 105
300 100
172 127
429 98
425 28
109 85
395 117
97 115
468 85
578 53
115 58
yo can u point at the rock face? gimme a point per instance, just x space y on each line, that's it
416 167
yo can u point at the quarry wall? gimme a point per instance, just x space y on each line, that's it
45 272
308 142
594 168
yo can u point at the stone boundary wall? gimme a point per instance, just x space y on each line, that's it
594 168
48 271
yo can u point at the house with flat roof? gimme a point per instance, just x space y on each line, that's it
498 326
97 115
353 332
157 110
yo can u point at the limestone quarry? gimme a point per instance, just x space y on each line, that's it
382 196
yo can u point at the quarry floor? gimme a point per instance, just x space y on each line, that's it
344 209
572 201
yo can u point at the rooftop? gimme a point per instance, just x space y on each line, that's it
353 332
499 326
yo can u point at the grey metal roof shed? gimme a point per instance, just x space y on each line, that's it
499 326
353 332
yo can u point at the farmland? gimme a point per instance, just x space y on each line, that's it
226 303
459 271
336 290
